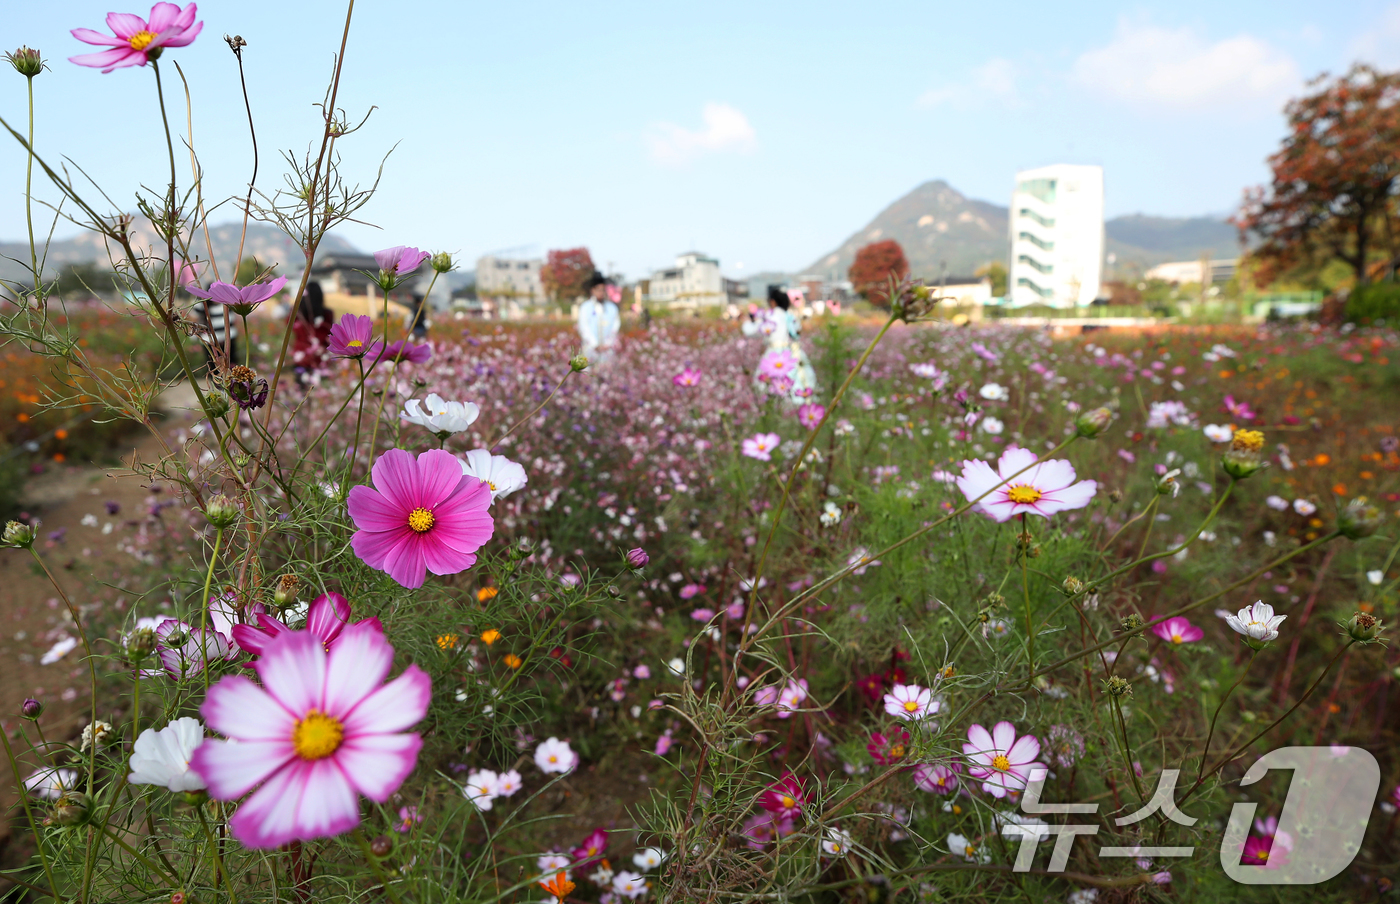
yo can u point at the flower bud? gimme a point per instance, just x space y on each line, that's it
217 403
1072 585
221 511
1364 627
442 262
577 363
31 709
1115 496
382 845
26 61
1118 686
1359 519
140 644
1243 458
71 809
17 533
637 558
614 592
1131 624
1168 485
1092 422
286 592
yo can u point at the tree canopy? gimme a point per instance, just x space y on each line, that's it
564 273
873 267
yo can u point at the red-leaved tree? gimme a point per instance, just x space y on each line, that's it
565 272
1334 179
874 265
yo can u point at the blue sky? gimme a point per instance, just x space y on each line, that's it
761 132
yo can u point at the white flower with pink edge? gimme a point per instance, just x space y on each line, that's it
1001 760
1022 485
910 702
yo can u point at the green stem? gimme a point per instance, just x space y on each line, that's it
502 438
375 865
204 608
29 813
1210 733
145 861
87 648
1127 748
219 868
1026 592
28 202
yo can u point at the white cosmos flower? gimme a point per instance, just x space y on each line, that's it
51 783
836 843
501 474
629 884
61 648
993 392
1218 433
507 783
553 862
1257 623
1375 576
1277 503
556 756
163 757
439 415
992 425
1303 507
910 701
958 844
831 515
650 858
482 788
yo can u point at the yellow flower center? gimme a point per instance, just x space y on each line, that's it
970 851
492 485
1176 638
355 343
1022 494
1000 762
1262 855
897 752
421 520
141 39
911 706
317 735
788 801
1251 440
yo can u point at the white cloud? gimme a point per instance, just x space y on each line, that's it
1178 68
1377 44
994 80
725 129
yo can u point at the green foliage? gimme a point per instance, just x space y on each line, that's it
1374 303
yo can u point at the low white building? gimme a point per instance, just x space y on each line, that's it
1057 236
1179 272
695 280
506 286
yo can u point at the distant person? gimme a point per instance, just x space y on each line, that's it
784 367
419 323
598 320
311 333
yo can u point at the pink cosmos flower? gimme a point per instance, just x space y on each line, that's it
592 849
421 515
240 300
936 778
1178 630
408 818
403 350
762 828
400 260
181 652
779 363
1041 488
786 798
664 743
136 40
810 415
910 702
322 729
888 746
1258 852
761 446
1238 410
352 336
688 377
690 591
326 618
787 698
1003 761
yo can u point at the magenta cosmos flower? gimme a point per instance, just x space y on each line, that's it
421 515
785 798
326 618
322 729
936 778
810 415
688 377
1021 486
1001 760
404 350
135 41
352 336
397 261
240 300
1178 630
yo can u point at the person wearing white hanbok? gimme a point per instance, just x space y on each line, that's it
598 321
784 368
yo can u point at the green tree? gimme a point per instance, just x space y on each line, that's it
996 272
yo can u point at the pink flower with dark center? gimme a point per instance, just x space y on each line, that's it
327 616
136 41
1022 485
810 415
937 778
1178 630
1003 761
690 591
761 446
399 260
352 336
592 849
421 515
240 300
1259 851
785 799
762 828
403 350
888 746
321 730
688 377
779 363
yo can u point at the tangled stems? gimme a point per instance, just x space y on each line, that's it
204 608
29 814
375 865
219 868
1210 735
1026 592
87 648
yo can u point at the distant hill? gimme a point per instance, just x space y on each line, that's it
267 243
935 223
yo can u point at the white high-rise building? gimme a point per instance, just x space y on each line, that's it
1057 236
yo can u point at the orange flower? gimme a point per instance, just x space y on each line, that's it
447 641
490 637
511 660
1339 488
22 418
559 886
486 593
60 434
1322 458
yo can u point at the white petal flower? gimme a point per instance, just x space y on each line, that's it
439 415
482 788
1375 576
836 843
1303 507
959 845
910 701
1257 623
163 757
994 392
629 884
507 783
992 425
61 648
51 783
555 756
1218 433
501 474
1277 503
650 858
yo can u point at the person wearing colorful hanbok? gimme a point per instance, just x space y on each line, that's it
784 368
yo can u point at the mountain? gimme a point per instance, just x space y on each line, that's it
265 242
937 224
